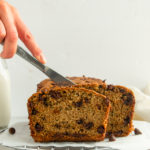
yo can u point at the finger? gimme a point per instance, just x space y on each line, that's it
27 38
2 32
10 44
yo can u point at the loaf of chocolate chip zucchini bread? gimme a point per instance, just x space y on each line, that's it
67 114
121 98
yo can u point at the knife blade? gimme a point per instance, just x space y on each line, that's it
53 75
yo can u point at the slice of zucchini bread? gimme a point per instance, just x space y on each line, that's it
121 98
67 114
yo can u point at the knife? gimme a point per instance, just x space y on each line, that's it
53 75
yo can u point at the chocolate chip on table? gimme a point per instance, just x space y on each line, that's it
89 125
112 138
38 127
137 131
12 130
100 129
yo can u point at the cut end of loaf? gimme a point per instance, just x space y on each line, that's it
68 114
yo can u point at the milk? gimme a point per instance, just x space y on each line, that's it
5 111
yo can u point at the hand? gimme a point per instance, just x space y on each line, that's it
12 28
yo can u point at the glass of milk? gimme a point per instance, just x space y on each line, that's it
5 112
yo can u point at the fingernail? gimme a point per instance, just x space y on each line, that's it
42 58
38 57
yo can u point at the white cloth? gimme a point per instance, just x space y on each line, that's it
142 105
22 137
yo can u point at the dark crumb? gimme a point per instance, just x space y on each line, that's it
12 130
112 138
137 131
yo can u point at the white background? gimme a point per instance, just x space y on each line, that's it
107 39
